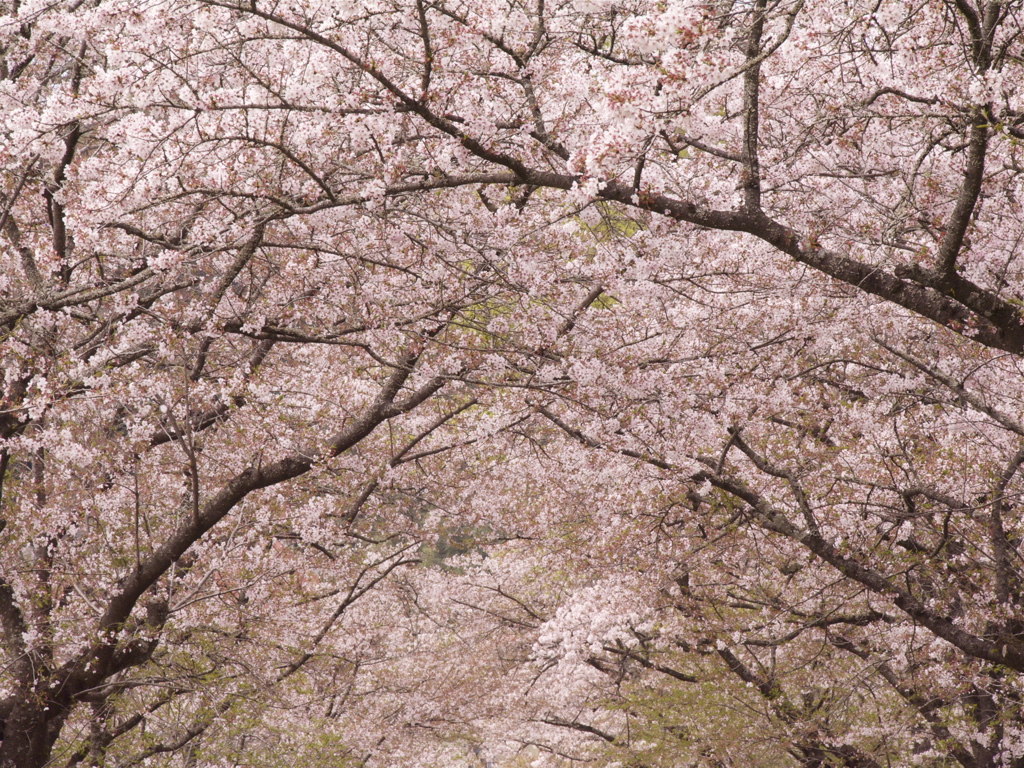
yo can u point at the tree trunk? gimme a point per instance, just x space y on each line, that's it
29 733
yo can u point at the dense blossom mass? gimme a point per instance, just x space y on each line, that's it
511 383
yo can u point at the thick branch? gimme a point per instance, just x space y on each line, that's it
751 181
94 664
997 534
967 199
1006 650
12 622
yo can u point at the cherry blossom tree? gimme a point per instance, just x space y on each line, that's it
700 320
197 480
